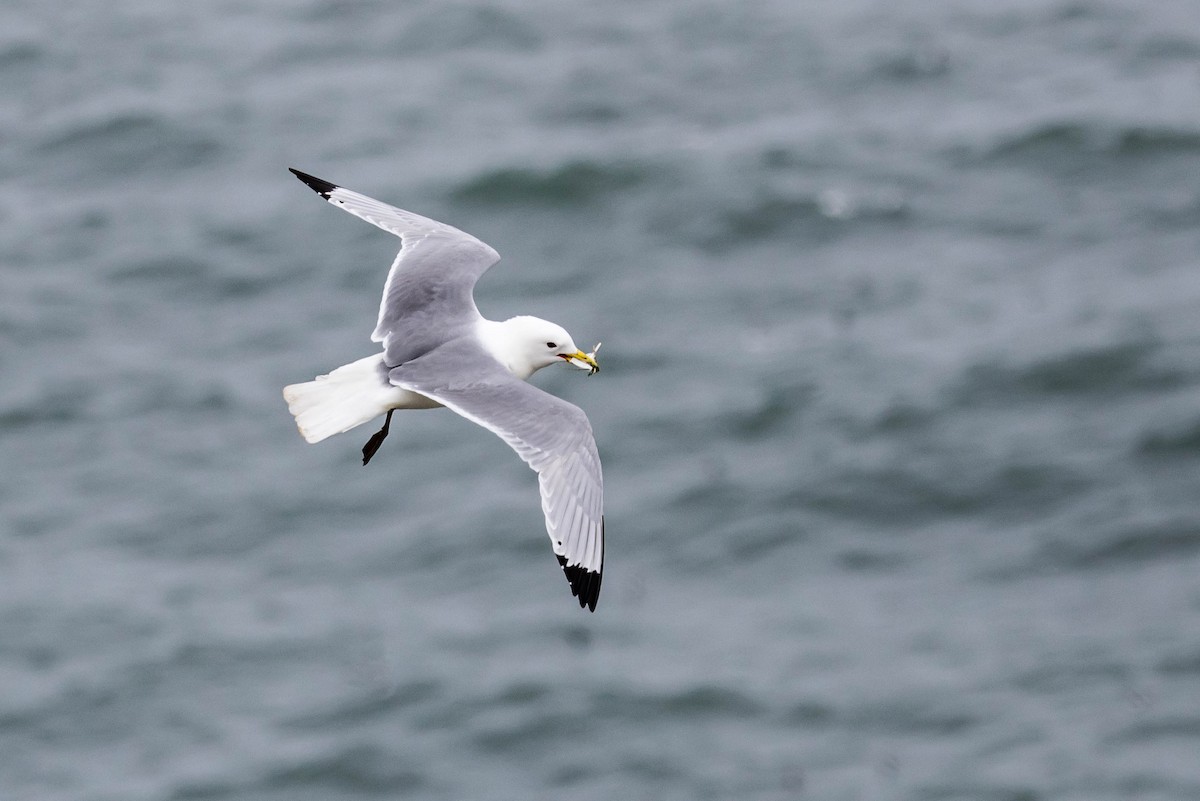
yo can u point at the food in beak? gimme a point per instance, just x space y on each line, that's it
586 361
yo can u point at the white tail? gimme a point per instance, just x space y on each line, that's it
351 395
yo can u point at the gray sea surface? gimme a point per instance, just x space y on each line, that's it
900 408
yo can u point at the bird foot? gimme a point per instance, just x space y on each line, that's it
376 439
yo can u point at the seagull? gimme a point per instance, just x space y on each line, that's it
438 350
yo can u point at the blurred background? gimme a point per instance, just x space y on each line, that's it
900 410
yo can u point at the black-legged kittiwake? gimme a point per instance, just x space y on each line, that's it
438 350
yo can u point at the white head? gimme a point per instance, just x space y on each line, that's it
527 344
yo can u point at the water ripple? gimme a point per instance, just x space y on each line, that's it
362 769
1102 370
572 183
132 143
1175 441
1072 144
1170 539
899 496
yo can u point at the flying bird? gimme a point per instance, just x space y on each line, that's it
438 350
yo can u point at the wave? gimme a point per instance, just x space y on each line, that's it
131 142
702 701
1133 544
451 27
170 274
1181 440
774 410
368 707
1107 369
572 183
816 215
893 495
363 769
935 717
53 408
1179 726
913 64
525 729
1064 142
15 55
1186 663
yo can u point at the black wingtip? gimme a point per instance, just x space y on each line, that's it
585 584
322 188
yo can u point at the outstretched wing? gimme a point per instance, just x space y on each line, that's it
432 278
552 436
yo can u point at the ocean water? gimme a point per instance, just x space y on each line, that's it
900 409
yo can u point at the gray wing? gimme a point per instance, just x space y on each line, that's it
552 436
427 298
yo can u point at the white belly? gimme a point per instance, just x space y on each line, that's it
406 399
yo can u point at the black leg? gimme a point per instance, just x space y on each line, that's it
377 439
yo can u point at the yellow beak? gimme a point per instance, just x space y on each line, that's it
584 361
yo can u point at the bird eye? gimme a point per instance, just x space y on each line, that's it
551 345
